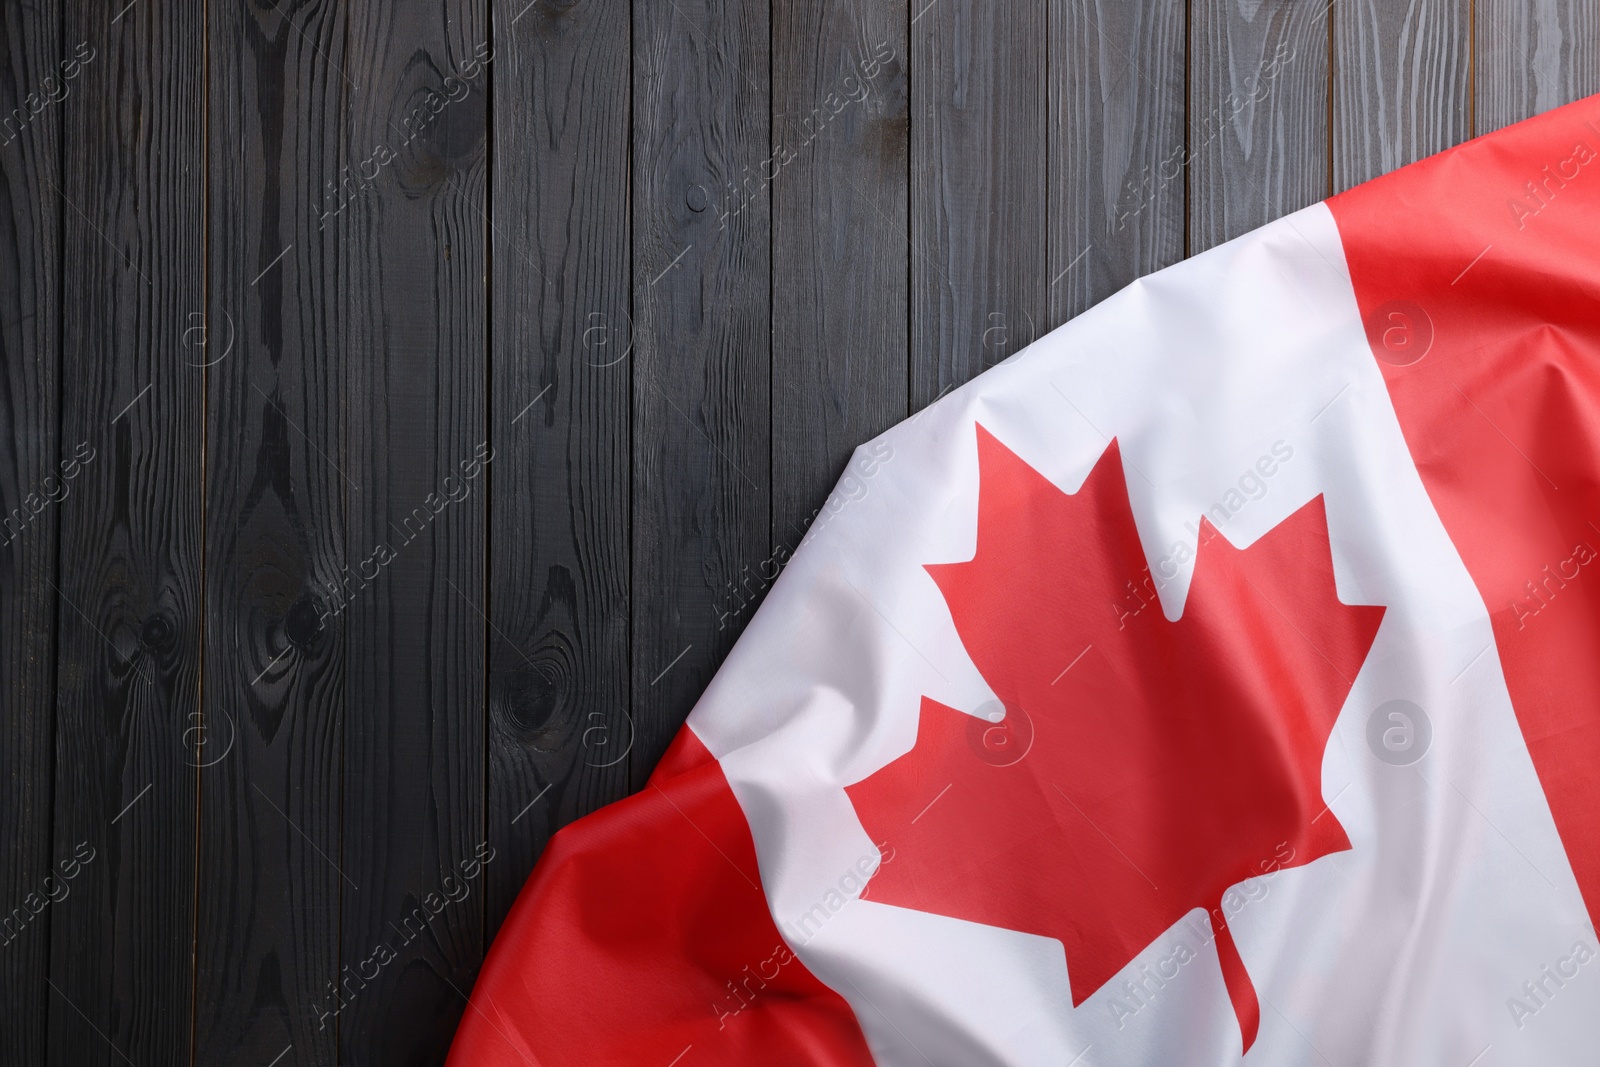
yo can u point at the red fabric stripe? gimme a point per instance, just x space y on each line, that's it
644 932
1486 261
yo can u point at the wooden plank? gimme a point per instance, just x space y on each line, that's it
559 731
130 620
412 268
979 132
35 76
1400 89
1531 56
702 343
268 744
1117 147
840 345
1258 114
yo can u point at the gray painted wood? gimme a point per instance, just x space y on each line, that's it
1258 114
1400 85
840 256
413 257
1117 147
559 727
702 343
979 164
1530 56
269 743
37 73
129 620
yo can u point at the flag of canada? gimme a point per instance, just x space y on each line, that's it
1192 749
1215 681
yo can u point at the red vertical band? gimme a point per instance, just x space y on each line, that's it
1477 273
643 937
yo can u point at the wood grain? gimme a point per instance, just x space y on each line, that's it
268 745
1117 147
130 621
979 128
1530 56
840 256
559 726
1258 114
702 343
443 385
412 266
33 82
1400 90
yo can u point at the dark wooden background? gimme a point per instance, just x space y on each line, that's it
282 660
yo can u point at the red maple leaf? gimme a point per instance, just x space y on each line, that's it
1155 764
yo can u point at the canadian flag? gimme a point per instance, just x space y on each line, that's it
1215 681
